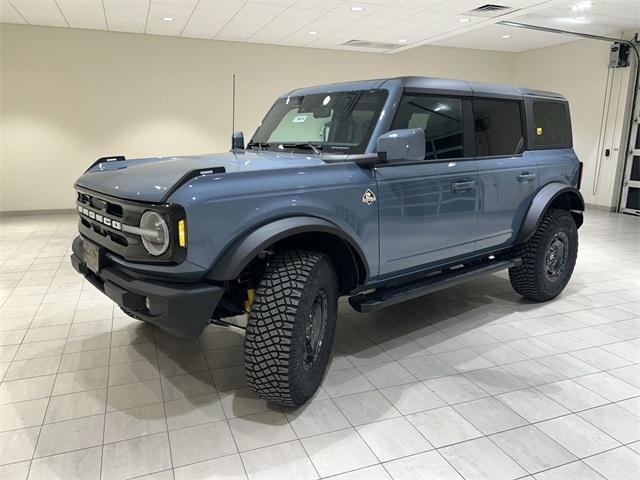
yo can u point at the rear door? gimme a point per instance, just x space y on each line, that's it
508 177
428 209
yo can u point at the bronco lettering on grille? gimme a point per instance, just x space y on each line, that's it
98 217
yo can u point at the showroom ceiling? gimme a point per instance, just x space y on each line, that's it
375 25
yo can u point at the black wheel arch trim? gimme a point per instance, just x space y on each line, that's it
246 248
543 200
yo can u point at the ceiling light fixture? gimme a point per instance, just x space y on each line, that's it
464 20
168 19
506 36
581 6
357 9
581 18
313 32
402 40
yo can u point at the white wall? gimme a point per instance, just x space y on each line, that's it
578 70
68 97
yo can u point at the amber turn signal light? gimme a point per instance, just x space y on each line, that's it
182 233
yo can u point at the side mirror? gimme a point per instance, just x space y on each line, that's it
407 144
237 141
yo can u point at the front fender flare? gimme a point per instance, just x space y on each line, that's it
564 195
246 248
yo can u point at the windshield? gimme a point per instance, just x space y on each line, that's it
338 122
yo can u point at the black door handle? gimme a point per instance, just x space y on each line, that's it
526 177
470 185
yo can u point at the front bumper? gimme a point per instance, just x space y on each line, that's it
183 309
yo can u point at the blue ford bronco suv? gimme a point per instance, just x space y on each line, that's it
379 190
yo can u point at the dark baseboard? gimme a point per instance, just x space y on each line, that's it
602 208
19 213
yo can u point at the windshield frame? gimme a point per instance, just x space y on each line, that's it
325 148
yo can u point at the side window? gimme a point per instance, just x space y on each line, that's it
551 124
442 120
498 127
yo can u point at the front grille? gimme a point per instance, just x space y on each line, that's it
101 205
102 218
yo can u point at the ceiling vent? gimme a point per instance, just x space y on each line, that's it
370 45
491 10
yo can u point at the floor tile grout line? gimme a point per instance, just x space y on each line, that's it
459 374
164 404
503 343
106 397
53 386
298 439
400 415
577 412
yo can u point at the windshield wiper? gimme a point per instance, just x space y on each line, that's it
260 145
304 145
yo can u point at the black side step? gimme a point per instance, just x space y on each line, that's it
381 298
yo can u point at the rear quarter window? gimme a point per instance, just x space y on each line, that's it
551 125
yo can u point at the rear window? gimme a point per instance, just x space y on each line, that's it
498 127
551 125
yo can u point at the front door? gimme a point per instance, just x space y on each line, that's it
428 209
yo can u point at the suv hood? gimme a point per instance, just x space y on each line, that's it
154 179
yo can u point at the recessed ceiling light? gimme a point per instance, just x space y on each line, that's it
313 32
402 40
581 18
506 36
168 19
581 6
464 20
357 9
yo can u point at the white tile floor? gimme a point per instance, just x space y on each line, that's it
472 382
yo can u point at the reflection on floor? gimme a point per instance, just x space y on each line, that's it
472 382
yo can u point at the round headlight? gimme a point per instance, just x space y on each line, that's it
158 242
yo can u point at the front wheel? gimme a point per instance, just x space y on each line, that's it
548 258
291 326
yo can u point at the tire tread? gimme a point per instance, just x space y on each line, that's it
268 336
524 278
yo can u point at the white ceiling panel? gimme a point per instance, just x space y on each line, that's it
169 17
249 19
209 18
459 7
369 24
490 38
8 14
416 4
126 16
288 22
584 22
347 9
319 5
40 12
84 13
394 13
280 3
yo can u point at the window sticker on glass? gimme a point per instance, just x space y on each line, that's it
299 118
539 130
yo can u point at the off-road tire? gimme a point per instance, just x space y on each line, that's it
274 346
529 278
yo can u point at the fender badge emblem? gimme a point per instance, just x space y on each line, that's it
369 197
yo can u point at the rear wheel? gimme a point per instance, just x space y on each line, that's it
291 326
548 258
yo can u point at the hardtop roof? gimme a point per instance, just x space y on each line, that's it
443 86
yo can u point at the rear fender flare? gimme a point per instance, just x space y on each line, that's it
554 194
